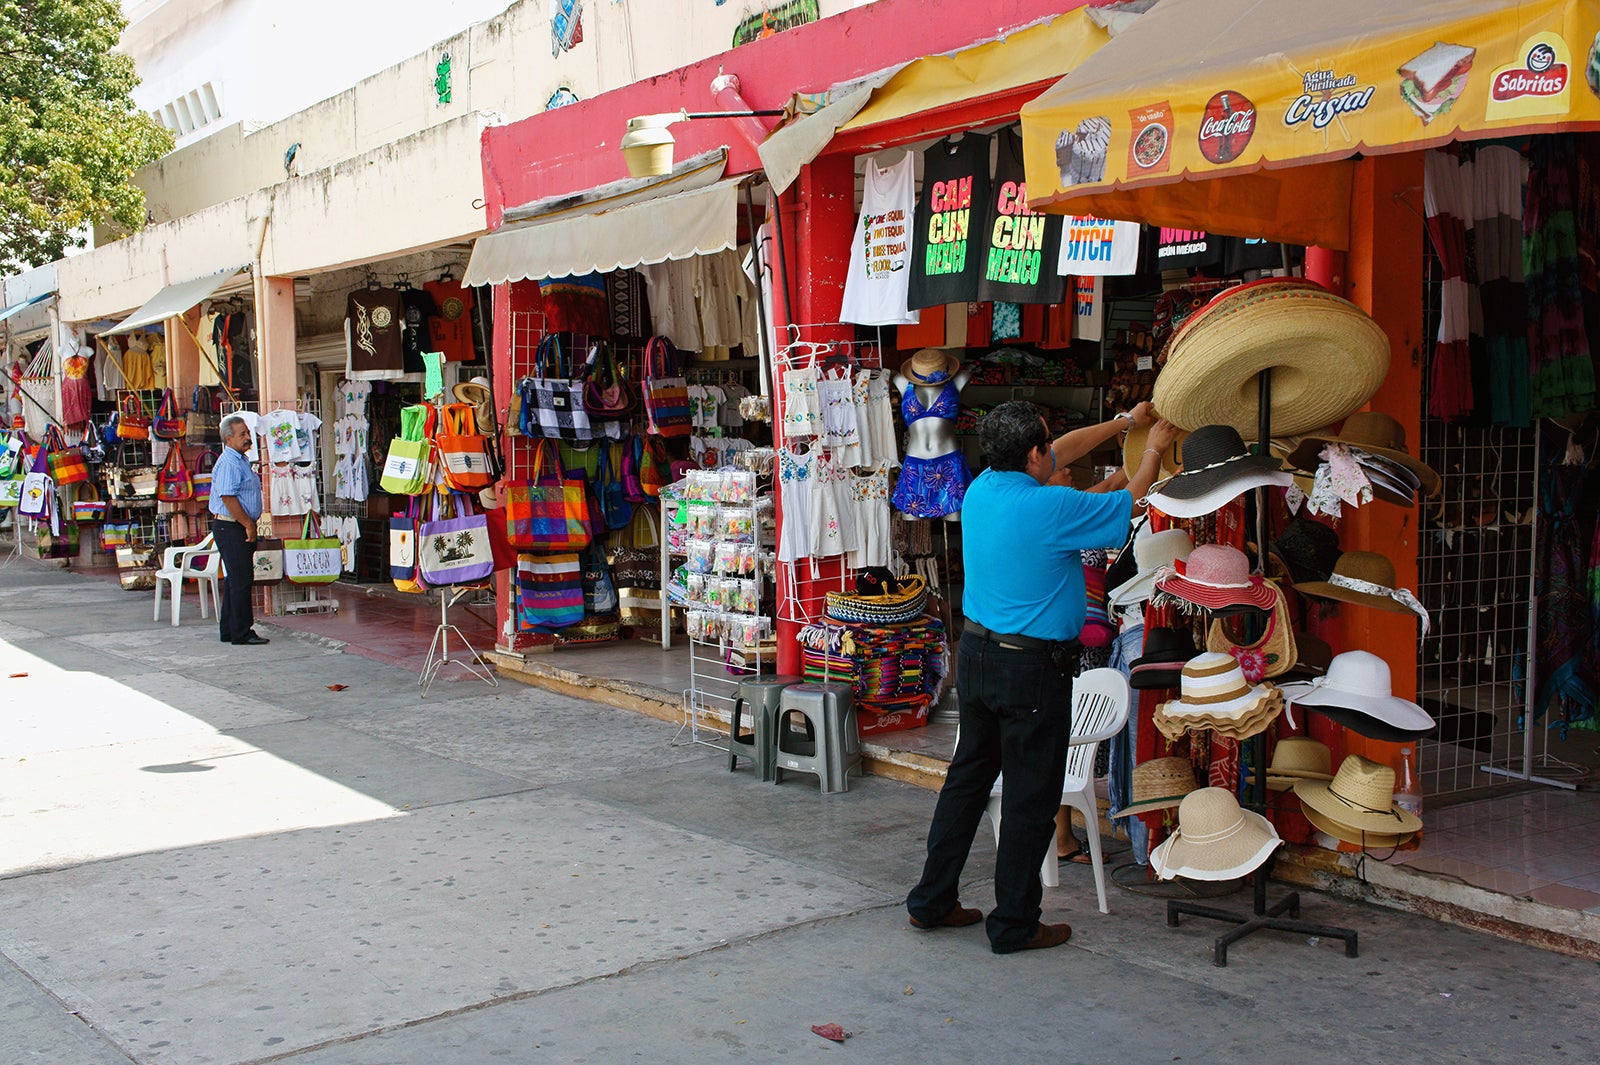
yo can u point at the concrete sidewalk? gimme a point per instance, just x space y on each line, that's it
207 855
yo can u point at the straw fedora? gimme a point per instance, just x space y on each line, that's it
1212 577
1150 553
1298 758
1216 840
1359 682
1366 578
479 395
1166 651
1213 694
1373 433
1217 468
1133 452
1365 840
1327 357
930 366
1159 784
1360 797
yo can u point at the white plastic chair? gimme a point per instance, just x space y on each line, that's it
1100 702
200 563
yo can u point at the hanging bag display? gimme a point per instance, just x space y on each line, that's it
455 549
202 476
38 490
92 445
11 455
549 592
201 420
599 588
408 469
666 394
463 452
552 401
169 424
403 543
66 463
133 422
607 393
548 513
89 506
615 509
632 453
655 468
266 561
313 558
176 483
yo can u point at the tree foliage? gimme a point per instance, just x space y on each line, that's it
70 135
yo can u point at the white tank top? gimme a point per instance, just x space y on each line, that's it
880 256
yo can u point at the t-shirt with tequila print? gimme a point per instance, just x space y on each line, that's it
374 318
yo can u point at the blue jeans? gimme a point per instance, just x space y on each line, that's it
1016 716
1124 747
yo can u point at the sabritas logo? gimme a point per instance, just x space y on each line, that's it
1540 75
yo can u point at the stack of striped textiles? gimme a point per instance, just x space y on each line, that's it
891 667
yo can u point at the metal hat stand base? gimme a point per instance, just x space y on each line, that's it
1264 916
439 648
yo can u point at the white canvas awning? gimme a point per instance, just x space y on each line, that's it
175 300
672 227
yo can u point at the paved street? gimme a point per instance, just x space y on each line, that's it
207 856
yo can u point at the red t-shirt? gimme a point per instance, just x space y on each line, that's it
451 329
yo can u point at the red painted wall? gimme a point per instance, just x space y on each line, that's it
578 147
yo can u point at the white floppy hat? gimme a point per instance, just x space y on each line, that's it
1150 553
1216 840
1359 681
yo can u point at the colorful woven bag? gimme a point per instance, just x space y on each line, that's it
133 422
666 393
175 483
549 592
170 424
66 463
549 513
89 506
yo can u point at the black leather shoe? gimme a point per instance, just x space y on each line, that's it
1044 937
959 917
251 640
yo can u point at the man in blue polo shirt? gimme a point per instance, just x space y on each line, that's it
235 506
1024 601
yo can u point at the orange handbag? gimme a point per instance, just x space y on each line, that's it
463 453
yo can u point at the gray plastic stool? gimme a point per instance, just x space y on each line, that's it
829 745
760 744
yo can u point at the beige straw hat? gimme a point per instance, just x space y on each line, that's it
1159 784
1298 758
1366 578
1216 840
1360 797
1133 453
1327 357
1367 840
1213 694
930 366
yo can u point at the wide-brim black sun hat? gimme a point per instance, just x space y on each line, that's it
1215 457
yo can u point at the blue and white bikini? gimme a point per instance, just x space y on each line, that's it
931 488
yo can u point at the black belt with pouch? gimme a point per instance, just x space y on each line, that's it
1063 653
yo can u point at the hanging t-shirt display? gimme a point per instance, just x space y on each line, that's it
451 328
1098 247
880 257
1185 248
373 317
1020 245
947 254
1252 253
419 308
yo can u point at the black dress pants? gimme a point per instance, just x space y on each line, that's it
235 617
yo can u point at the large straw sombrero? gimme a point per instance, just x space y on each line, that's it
1159 784
1375 434
1216 840
1327 357
930 366
1360 798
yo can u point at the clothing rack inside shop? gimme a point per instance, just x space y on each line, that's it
1263 915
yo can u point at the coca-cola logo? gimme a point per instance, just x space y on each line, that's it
1541 74
1229 122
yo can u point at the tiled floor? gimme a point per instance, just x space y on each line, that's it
1540 844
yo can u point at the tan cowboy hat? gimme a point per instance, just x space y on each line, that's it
1360 798
930 366
1298 758
479 395
1365 578
1133 453
1327 357
1159 784
1216 840
1368 840
1376 434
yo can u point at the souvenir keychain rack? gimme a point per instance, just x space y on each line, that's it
1263 915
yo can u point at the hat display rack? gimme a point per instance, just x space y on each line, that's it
1284 914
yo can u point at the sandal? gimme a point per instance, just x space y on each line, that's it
1080 856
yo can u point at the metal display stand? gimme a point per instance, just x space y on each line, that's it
439 647
1263 915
